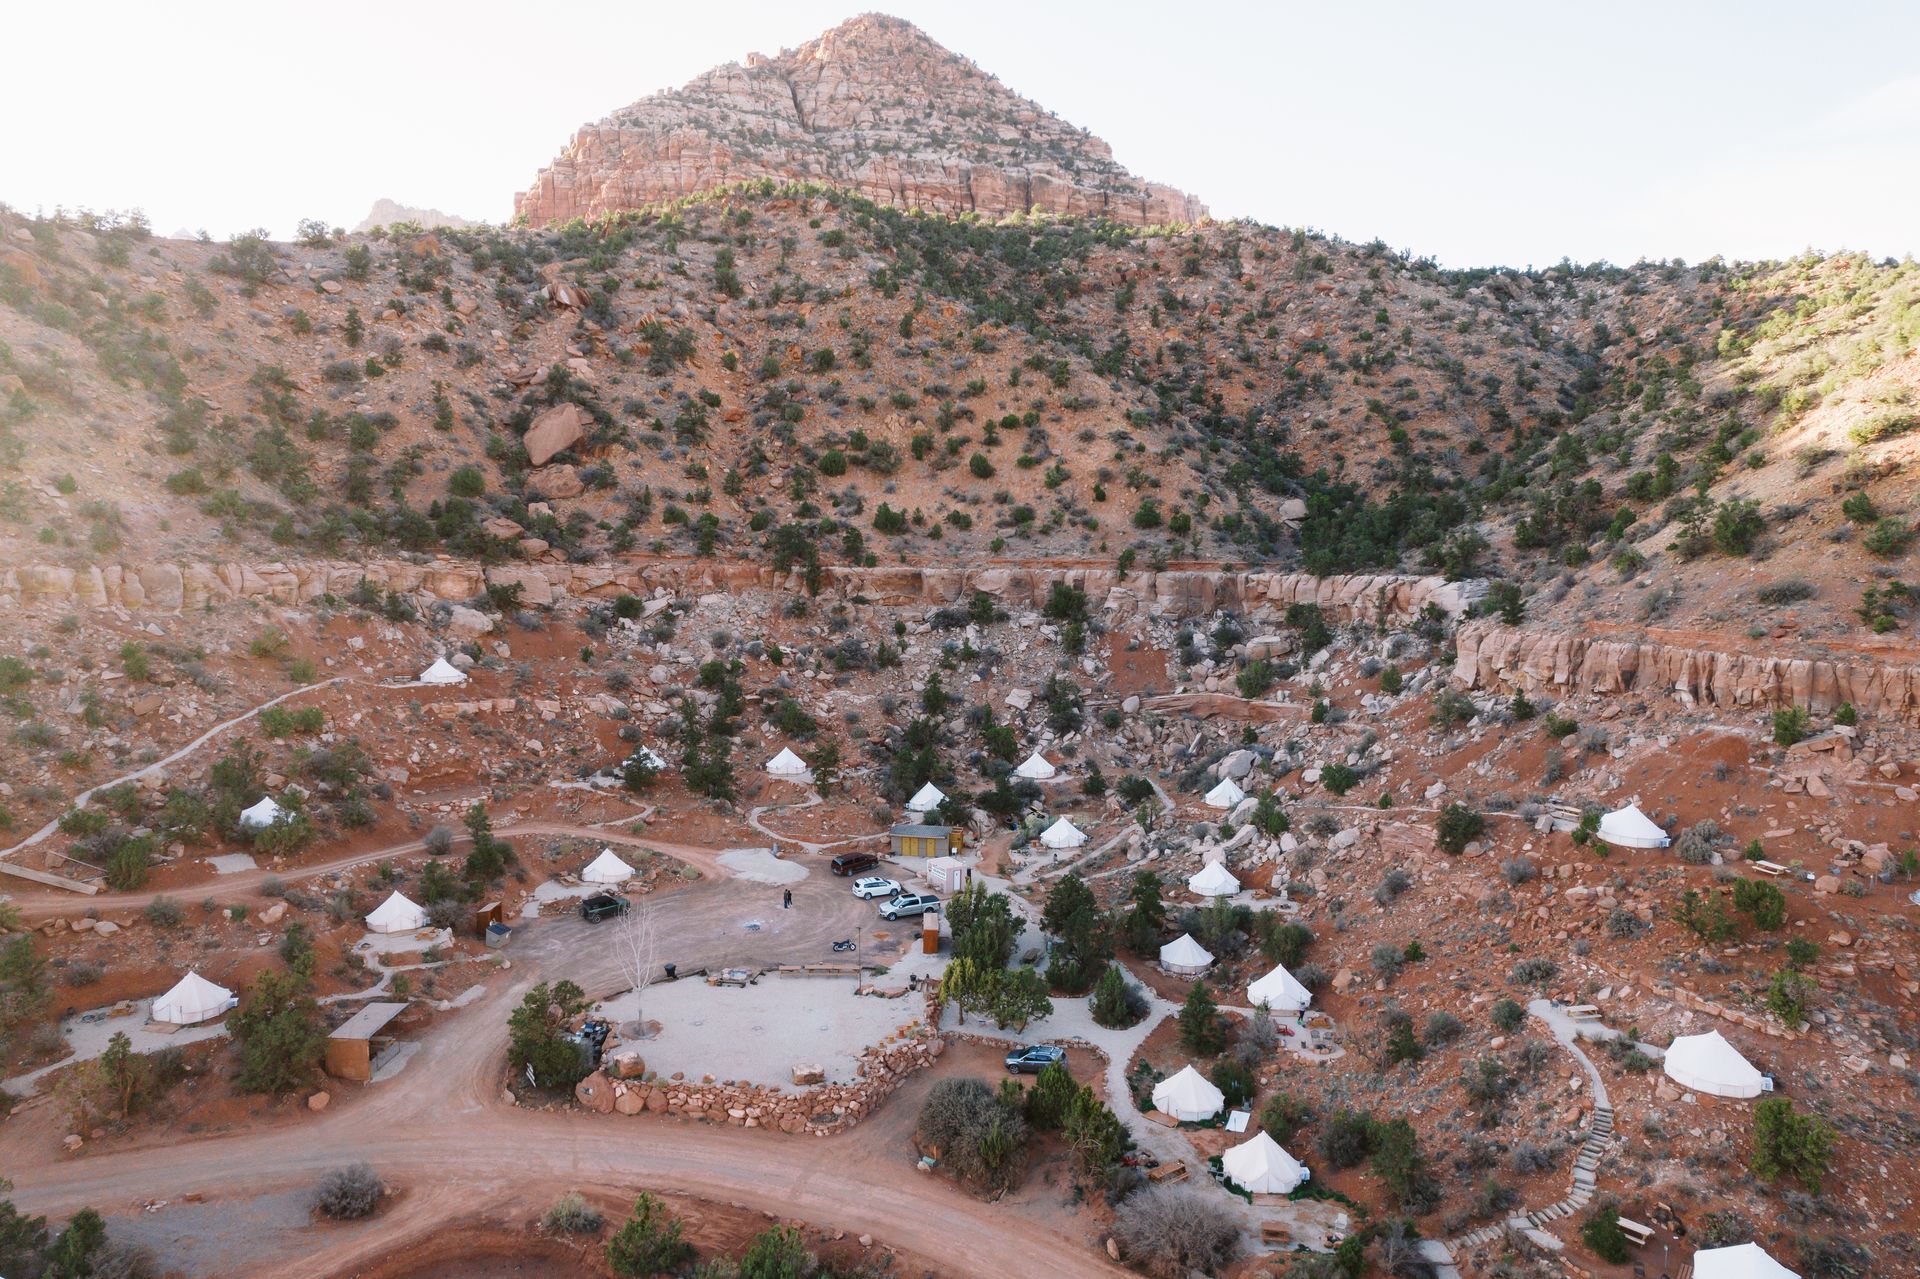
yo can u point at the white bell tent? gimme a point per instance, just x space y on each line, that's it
1185 956
1214 880
1225 795
1035 768
1063 834
1742 1261
443 672
1630 828
1260 1166
787 764
1188 1096
926 799
192 1000
607 868
396 915
263 814
1280 991
1709 1064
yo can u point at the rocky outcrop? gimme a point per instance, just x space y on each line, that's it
391 213
872 105
1492 656
1175 593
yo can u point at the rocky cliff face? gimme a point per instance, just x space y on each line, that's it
1498 658
176 587
872 105
390 213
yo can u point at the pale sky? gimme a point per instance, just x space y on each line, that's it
1475 133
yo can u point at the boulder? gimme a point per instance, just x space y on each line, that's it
319 1102
806 1074
468 623
595 1093
560 482
559 428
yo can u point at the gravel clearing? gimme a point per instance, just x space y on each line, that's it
758 1033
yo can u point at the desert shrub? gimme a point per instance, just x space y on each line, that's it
1117 1002
1530 1157
572 1214
649 1242
1518 870
1791 724
1339 778
1535 971
1887 537
164 912
1790 591
1786 1144
977 1134
1387 958
1763 901
1696 843
1235 1081
1346 1138
1601 1232
1507 1016
1442 1028
1173 1231
350 1193
1283 1115
1458 826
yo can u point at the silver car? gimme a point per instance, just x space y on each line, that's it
909 904
873 886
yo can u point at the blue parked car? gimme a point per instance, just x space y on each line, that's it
1034 1058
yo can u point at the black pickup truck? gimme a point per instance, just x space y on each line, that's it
603 906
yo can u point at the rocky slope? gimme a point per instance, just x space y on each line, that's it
872 105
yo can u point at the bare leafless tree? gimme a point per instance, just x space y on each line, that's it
636 947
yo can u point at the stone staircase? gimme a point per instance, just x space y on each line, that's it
1592 1151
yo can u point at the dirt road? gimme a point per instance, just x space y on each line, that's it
444 1131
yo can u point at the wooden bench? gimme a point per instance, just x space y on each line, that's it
1168 1173
1770 868
1583 1012
1635 1231
1276 1232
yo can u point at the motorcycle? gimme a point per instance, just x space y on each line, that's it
843 946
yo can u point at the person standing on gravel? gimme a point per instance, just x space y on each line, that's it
786 900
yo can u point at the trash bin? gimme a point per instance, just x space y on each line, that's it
671 968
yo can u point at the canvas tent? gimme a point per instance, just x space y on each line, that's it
1742 1261
1185 955
607 868
1035 768
1188 1096
926 799
396 915
1214 880
787 764
1259 1166
1225 795
263 814
192 1000
1280 992
443 672
1630 828
1708 1063
1063 834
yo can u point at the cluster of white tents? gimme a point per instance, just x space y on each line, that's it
397 914
1708 1063
192 1000
1185 956
607 868
1257 1165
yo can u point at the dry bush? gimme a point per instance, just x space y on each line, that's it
350 1193
1171 1231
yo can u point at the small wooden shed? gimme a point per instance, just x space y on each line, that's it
353 1049
914 840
